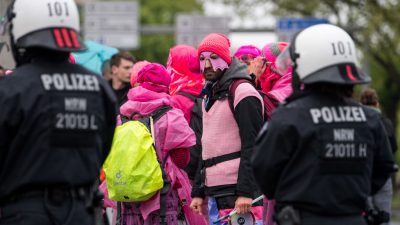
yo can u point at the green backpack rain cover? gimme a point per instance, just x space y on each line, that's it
133 173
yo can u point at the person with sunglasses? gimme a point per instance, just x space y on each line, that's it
247 53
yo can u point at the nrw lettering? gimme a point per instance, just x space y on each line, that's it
75 104
343 134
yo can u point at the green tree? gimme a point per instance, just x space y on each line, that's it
374 26
155 47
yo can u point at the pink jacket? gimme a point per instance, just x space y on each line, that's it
280 90
184 67
184 104
171 132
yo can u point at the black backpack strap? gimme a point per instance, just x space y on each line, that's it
163 194
119 212
219 159
124 119
214 161
192 97
232 90
157 114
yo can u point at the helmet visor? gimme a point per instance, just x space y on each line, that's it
6 55
4 26
284 62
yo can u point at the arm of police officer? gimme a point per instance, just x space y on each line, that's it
10 114
248 115
111 112
272 151
383 165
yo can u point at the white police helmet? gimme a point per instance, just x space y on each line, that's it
322 53
50 24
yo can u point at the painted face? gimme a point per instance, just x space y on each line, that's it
212 66
214 59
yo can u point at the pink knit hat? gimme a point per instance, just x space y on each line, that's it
135 70
272 50
271 75
248 50
154 77
218 44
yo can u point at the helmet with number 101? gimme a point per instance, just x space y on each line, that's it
50 24
323 53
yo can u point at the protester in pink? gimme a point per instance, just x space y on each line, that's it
275 86
186 85
183 65
172 136
135 70
247 53
228 134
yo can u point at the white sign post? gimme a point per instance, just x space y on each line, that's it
191 29
115 24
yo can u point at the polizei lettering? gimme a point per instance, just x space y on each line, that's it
338 114
70 82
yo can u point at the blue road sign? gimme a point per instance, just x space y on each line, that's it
287 27
290 24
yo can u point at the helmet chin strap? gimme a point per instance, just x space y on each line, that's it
296 84
295 80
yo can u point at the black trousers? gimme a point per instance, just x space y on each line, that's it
58 209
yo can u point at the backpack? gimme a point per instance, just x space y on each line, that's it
133 172
270 102
196 123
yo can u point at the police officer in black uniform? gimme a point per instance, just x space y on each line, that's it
56 120
322 153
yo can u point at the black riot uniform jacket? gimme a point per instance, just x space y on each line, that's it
318 154
56 126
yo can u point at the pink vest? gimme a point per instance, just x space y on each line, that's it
221 136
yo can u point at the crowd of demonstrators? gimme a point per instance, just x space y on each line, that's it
228 136
279 121
57 122
121 67
381 201
322 153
